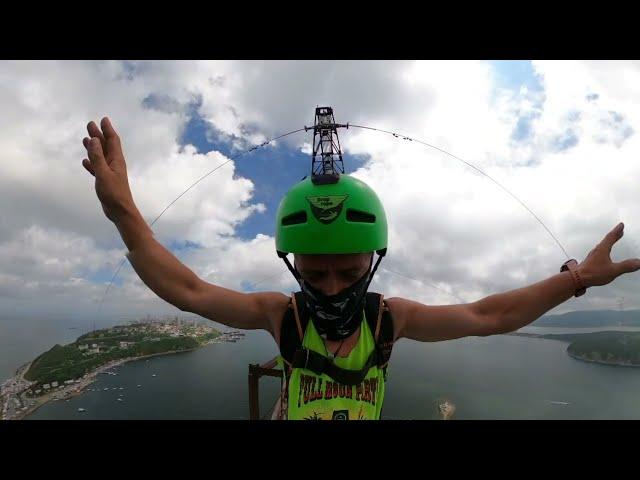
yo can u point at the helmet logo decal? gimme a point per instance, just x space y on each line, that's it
326 208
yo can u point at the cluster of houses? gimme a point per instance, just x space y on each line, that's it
173 329
90 349
47 387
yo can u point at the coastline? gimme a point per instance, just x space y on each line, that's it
76 389
602 362
572 355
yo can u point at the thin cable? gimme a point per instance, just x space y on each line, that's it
233 157
423 282
252 285
397 135
109 286
404 137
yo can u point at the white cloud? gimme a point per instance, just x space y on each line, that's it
53 233
449 226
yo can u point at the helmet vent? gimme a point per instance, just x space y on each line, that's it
295 218
358 216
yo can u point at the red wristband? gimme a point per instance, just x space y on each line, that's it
571 266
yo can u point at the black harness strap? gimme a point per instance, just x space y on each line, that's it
380 324
293 326
319 364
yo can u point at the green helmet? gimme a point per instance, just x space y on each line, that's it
343 216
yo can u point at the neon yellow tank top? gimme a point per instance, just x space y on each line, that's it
313 397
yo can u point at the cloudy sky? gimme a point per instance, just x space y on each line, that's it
562 136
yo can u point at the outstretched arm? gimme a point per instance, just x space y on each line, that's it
156 266
508 311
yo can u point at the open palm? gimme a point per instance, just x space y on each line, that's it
106 163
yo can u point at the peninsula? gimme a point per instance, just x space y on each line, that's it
66 370
618 348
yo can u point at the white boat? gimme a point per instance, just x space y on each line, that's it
153 375
81 410
139 386
119 399
553 402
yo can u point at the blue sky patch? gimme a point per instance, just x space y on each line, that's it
565 141
523 130
273 170
513 74
184 246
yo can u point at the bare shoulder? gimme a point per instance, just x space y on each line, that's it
274 305
400 309
246 311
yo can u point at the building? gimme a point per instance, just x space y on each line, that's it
54 384
126 344
84 346
46 386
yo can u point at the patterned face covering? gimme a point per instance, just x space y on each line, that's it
337 316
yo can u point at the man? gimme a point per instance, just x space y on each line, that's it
332 225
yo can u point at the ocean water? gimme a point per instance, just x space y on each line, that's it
498 377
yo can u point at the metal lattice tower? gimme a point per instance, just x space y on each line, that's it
327 154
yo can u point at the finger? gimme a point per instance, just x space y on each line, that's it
85 142
612 237
87 165
96 155
94 131
110 135
628 266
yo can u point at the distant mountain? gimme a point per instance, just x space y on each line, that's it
591 318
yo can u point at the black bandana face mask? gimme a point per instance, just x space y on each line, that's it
337 316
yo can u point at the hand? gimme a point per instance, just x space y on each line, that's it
107 165
598 269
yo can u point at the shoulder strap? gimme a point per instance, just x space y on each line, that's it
293 326
380 324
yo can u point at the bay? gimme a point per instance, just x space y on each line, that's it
497 377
